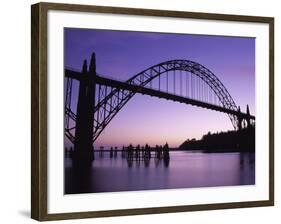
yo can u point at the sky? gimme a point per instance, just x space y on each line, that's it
145 119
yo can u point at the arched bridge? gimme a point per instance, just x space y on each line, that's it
101 98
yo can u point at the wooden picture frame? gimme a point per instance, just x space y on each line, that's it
39 110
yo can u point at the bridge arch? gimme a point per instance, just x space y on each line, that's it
105 110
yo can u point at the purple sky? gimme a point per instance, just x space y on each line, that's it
144 119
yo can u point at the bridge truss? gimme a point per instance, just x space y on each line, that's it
183 81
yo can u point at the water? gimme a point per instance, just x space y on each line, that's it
184 170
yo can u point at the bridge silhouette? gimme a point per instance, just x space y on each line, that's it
100 97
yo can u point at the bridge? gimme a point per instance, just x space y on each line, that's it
100 97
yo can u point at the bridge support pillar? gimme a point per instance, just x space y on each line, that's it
239 119
246 118
83 144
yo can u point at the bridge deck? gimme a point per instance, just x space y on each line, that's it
165 95
156 93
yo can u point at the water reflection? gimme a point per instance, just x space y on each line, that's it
114 170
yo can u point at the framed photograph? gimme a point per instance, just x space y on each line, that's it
139 111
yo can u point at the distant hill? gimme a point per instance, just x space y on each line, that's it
231 141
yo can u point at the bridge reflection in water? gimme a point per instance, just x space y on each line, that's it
184 170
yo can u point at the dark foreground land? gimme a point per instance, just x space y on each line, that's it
231 141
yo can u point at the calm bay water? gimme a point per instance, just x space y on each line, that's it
184 170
